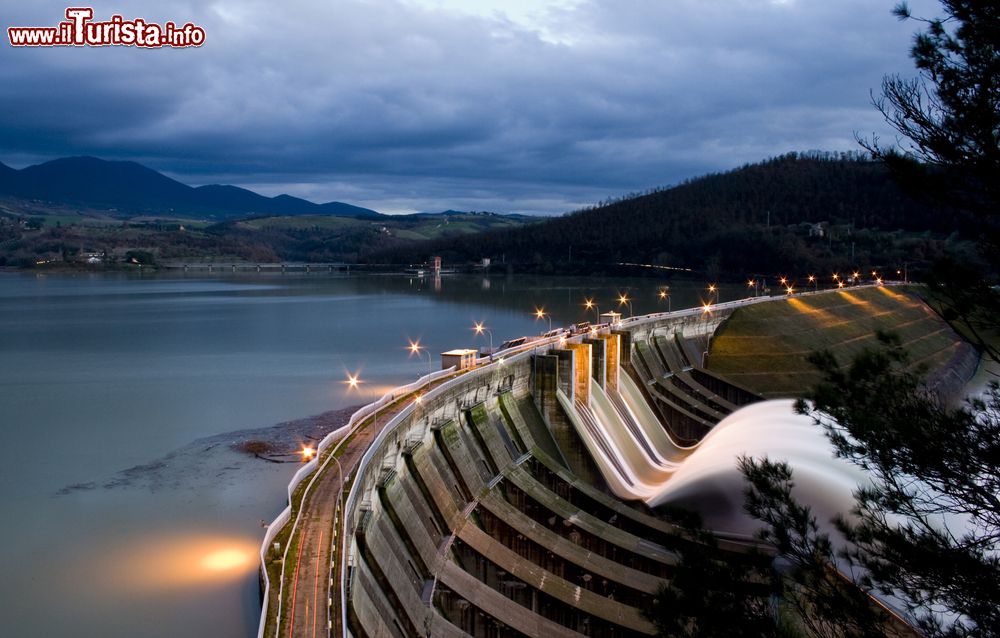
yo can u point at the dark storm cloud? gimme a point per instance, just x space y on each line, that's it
402 106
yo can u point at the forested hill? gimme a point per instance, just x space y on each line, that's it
792 211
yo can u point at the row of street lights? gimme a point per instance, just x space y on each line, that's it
854 278
758 283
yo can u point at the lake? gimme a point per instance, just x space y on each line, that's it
128 513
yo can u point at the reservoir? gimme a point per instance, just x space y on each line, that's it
127 510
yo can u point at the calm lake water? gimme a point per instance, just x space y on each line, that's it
103 373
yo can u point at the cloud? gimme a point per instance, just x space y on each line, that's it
431 104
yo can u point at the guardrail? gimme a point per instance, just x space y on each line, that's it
485 366
340 434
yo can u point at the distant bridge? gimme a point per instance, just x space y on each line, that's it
244 266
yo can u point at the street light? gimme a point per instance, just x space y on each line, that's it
541 314
812 280
590 305
665 294
714 290
308 452
415 349
622 300
479 328
353 381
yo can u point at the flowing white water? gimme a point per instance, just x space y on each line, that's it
707 479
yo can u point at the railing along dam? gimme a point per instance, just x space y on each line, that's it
520 497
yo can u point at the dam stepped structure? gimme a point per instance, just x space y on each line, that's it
520 498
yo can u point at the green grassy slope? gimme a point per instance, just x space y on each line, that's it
764 346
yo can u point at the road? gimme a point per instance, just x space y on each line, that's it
309 576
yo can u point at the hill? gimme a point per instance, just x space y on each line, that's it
61 239
764 346
808 212
126 190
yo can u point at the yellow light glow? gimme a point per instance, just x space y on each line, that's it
589 303
225 560
478 327
663 294
711 288
812 278
540 313
750 282
352 381
174 560
707 307
783 280
308 452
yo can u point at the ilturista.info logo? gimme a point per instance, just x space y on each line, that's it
80 30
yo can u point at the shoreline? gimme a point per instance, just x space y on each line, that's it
219 457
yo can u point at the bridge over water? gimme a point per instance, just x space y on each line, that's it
244 266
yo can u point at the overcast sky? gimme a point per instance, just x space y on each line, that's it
410 105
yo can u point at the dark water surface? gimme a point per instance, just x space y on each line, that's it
103 373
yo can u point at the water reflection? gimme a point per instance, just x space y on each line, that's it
177 560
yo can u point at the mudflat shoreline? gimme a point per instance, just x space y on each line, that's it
220 457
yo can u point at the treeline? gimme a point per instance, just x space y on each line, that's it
811 211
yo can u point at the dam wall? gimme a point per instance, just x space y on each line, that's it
480 511
519 498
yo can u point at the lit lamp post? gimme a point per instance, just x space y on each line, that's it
665 294
353 381
812 280
308 452
752 283
713 290
590 305
417 349
479 329
622 300
541 314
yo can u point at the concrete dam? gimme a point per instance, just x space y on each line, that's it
520 497
491 508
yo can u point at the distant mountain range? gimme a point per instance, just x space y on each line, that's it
129 189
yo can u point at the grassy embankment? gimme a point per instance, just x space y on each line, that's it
764 346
